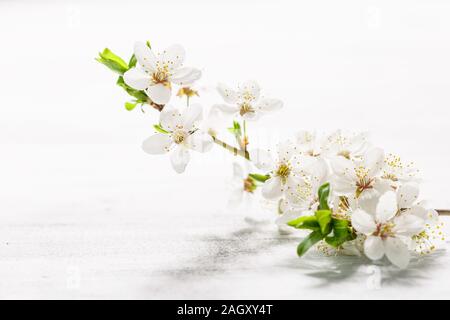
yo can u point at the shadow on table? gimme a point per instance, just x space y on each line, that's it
222 253
334 270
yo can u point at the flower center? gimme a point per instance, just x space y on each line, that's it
179 137
385 230
161 75
246 108
303 194
390 176
283 171
248 96
363 182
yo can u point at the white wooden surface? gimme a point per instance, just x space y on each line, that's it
84 213
98 229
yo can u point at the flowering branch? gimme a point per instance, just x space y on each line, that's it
372 206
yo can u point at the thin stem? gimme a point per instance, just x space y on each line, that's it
443 212
187 100
245 139
234 150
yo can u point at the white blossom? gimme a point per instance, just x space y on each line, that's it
246 101
387 229
182 135
156 73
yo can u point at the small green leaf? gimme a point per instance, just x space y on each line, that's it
160 129
236 129
148 44
324 220
130 105
308 242
324 192
341 233
132 62
305 222
112 61
259 177
138 94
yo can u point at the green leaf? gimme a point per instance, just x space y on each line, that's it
130 105
112 61
148 44
236 129
324 192
308 242
341 233
138 94
324 220
305 222
259 177
160 129
132 62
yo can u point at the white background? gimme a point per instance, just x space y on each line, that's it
77 194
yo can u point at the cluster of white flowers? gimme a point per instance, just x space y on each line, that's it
375 193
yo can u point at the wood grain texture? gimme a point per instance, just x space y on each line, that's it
75 224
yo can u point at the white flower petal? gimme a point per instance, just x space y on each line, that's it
407 194
250 87
285 150
397 252
343 186
225 108
191 116
272 188
145 56
137 79
173 56
373 160
262 159
419 212
268 105
251 116
386 207
408 225
343 167
368 205
185 76
159 93
318 171
200 141
157 144
180 158
374 248
214 122
367 194
170 118
359 144
228 94
363 222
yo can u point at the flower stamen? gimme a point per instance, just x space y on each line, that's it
283 171
246 108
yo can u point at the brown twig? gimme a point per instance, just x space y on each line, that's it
443 212
237 152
